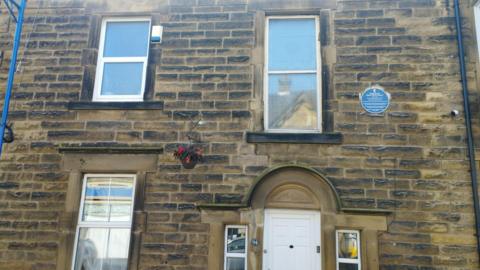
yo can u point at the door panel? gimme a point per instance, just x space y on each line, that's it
291 239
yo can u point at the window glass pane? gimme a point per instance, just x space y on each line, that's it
236 240
126 39
96 199
477 24
292 44
348 266
102 249
108 199
122 79
348 246
91 248
117 252
292 101
121 192
235 264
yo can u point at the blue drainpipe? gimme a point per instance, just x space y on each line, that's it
13 63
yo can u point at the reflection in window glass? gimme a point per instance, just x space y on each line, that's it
348 266
235 264
235 248
117 252
292 44
236 240
292 86
103 234
122 79
292 101
108 199
102 248
348 245
91 248
126 39
348 250
96 200
120 199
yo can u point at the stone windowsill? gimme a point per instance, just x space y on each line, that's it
109 150
90 105
300 138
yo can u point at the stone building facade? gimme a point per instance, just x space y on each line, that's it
398 181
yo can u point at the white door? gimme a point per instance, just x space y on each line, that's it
291 240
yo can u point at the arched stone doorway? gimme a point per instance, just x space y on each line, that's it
292 188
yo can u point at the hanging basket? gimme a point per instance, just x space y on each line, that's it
189 164
189 156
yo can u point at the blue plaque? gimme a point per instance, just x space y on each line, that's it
375 100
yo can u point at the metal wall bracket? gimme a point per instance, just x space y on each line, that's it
11 4
18 18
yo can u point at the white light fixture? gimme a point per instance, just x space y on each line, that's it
157 31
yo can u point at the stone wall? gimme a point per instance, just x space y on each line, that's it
412 160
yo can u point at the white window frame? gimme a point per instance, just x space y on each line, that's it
97 96
476 11
102 224
357 261
235 255
318 72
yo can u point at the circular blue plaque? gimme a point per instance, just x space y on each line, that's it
375 100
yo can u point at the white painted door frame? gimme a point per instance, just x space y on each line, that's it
314 235
476 10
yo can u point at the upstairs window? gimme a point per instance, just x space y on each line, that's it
105 222
122 60
292 75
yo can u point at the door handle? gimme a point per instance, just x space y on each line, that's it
318 249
